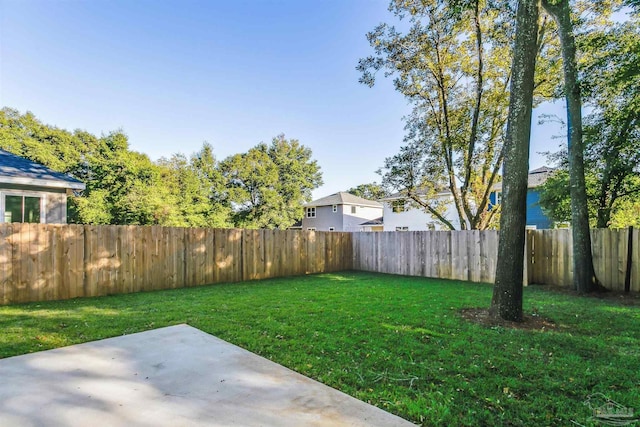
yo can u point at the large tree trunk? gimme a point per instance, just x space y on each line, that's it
584 277
507 291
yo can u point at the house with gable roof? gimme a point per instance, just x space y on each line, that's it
401 215
31 192
341 211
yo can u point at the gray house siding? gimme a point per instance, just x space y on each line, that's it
324 220
350 212
32 192
352 221
56 208
53 201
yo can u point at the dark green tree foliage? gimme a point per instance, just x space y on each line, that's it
371 191
264 187
124 187
252 180
198 187
26 136
268 185
611 78
298 175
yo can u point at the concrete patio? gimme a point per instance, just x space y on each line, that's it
175 376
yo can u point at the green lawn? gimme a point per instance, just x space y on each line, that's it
396 342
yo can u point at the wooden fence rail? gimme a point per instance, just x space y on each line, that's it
41 262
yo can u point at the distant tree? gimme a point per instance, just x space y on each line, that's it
506 302
371 191
198 187
26 136
129 184
268 185
298 176
265 187
611 79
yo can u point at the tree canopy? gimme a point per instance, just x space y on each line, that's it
370 191
264 187
453 64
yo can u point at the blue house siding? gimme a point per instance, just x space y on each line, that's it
535 215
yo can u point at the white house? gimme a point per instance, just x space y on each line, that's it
340 212
402 215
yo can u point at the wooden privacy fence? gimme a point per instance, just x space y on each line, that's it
472 255
460 255
47 262
551 257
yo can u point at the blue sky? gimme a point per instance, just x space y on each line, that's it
173 74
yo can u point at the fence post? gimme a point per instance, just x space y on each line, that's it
627 276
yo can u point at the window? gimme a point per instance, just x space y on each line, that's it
402 228
353 209
311 229
332 229
335 208
311 212
398 206
22 208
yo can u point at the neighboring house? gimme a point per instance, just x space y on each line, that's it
536 219
296 226
31 192
399 215
402 215
373 225
339 212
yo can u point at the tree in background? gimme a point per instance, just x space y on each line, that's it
198 186
24 135
507 291
124 186
610 80
298 176
453 65
264 187
371 191
268 185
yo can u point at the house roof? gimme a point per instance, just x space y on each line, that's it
18 170
536 177
377 221
403 195
343 198
296 225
